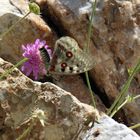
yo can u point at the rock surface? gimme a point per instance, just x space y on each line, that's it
115 43
20 98
24 32
108 129
50 112
31 28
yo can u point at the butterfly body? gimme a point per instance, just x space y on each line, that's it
68 58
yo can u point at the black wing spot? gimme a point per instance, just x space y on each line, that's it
78 71
71 68
62 69
60 46
77 65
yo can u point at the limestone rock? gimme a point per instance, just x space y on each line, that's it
108 129
50 112
24 32
20 98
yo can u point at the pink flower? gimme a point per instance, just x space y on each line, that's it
34 65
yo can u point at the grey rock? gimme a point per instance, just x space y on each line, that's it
108 129
26 31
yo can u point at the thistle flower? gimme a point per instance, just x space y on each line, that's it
34 65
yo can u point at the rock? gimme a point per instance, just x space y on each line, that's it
75 85
49 112
24 32
108 129
20 97
115 43
31 28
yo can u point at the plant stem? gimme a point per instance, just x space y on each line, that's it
26 132
138 96
11 27
86 48
90 90
127 100
11 69
123 92
90 25
117 109
135 126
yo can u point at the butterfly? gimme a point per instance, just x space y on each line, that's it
67 58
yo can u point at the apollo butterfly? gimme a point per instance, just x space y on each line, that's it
67 58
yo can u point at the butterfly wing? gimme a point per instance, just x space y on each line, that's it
45 57
69 59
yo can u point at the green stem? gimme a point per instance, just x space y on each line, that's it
135 126
86 48
117 109
26 132
123 92
11 27
138 96
11 69
90 89
90 25
121 105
